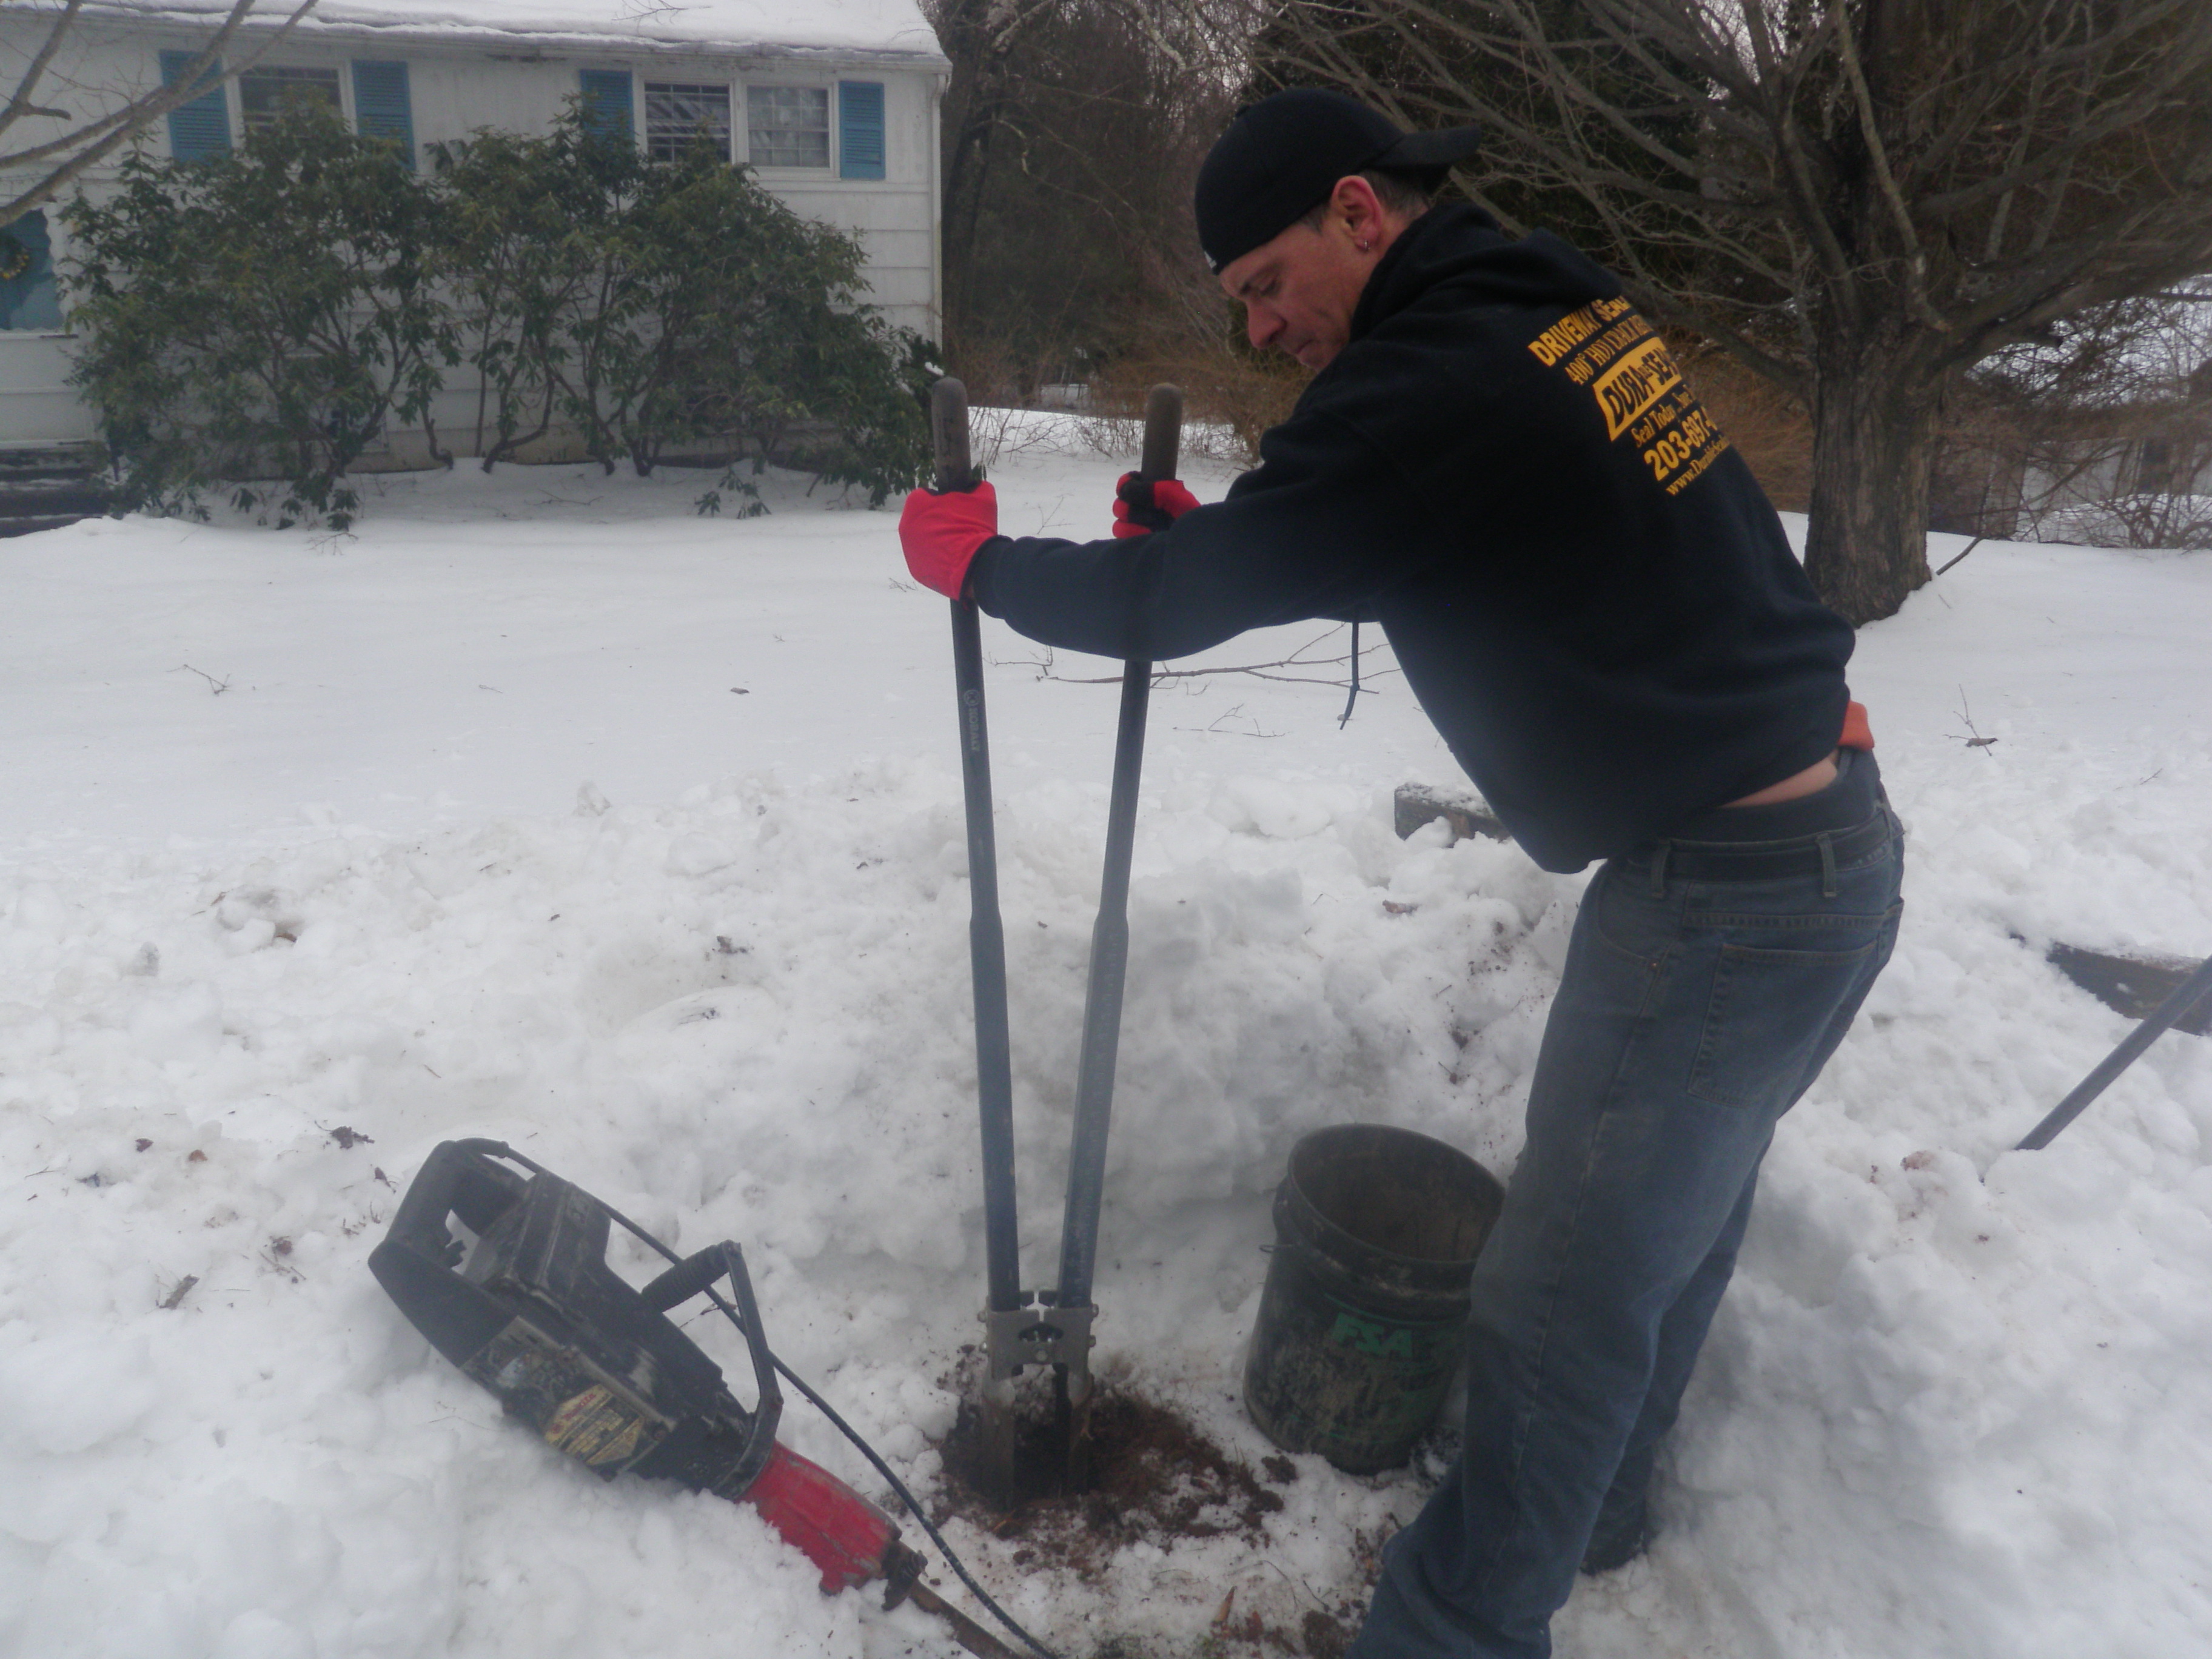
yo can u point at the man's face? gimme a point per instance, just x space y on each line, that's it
1299 290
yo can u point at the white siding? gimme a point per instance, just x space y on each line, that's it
455 90
37 403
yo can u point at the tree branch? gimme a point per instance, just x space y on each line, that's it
1915 257
99 138
20 105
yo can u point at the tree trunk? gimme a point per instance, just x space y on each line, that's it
1874 424
979 37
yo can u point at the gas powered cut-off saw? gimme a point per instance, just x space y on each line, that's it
521 1297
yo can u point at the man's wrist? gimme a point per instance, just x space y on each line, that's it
970 582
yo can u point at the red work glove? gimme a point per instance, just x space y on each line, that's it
1142 506
941 533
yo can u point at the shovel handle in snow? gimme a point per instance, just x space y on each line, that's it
986 956
2186 996
1102 1008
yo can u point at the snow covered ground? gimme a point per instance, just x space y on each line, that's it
543 809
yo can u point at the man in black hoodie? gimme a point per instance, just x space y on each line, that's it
1498 461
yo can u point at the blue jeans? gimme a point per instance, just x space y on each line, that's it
1709 979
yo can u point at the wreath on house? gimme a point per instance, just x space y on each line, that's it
15 256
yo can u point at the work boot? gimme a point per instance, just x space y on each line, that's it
1621 1534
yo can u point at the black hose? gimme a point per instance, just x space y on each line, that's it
913 1509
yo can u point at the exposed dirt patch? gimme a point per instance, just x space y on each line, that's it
1326 1637
1154 1476
1233 1636
1157 1478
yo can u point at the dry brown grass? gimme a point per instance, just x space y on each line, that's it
1242 396
1770 430
1229 398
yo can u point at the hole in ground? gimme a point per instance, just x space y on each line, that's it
1154 1476
1157 1478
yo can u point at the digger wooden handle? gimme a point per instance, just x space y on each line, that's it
948 433
1162 433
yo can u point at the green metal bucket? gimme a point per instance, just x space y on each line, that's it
1363 1316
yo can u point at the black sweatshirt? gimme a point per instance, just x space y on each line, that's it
1585 588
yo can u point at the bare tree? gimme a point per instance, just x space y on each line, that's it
2108 432
1861 199
1071 130
983 38
41 167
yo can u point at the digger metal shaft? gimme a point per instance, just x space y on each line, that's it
2186 996
1102 1010
965 1630
902 1568
987 952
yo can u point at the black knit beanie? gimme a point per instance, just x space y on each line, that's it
1282 156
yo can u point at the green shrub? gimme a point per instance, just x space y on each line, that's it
672 308
523 254
262 315
269 312
751 335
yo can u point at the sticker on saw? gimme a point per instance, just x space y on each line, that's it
1640 394
591 1426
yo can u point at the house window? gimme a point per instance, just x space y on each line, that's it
787 126
269 91
678 116
27 300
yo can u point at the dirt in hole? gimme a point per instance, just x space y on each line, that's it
1154 1476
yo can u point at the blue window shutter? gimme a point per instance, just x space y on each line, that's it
607 102
201 128
859 128
382 107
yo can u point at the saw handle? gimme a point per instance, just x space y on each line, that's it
698 1272
844 1535
456 1179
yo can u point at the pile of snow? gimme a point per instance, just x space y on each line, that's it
546 810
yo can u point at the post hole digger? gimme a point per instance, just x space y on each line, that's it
506 1272
1048 1327
521 1297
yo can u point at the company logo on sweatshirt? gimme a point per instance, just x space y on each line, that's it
1631 385
1607 347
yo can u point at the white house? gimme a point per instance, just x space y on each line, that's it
834 103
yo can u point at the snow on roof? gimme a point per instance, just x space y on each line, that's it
873 28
